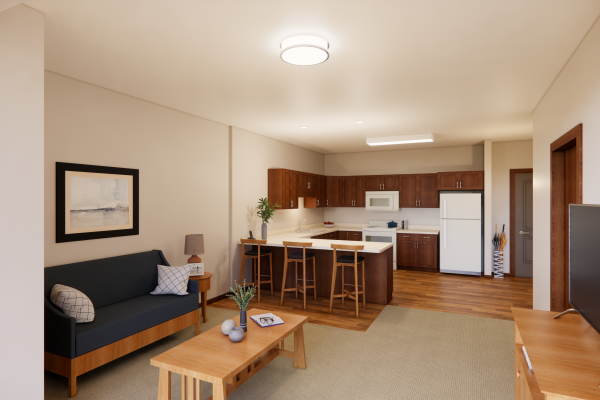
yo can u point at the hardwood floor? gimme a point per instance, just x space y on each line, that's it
459 294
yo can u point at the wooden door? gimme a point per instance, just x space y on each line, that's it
334 196
293 189
408 190
389 182
372 183
348 191
302 180
321 191
360 199
343 235
285 189
406 254
448 180
428 191
471 180
426 255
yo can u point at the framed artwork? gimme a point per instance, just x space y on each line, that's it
94 202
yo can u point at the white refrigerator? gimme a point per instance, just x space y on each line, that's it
461 230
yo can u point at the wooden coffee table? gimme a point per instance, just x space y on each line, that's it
212 357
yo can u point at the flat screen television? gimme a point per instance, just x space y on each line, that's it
584 261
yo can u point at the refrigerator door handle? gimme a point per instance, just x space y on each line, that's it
444 229
444 209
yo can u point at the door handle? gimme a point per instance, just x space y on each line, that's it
384 186
417 245
461 185
406 236
523 233
416 203
380 186
309 185
326 202
317 202
457 185
419 203
292 203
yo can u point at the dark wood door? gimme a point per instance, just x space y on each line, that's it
373 183
523 219
360 199
448 180
348 191
343 235
293 189
389 182
406 254
428 191
408 190
426 255
321 191
471 180
302 180
334 196
285 189
356 236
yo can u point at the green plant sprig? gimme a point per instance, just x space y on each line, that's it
265 210
242 294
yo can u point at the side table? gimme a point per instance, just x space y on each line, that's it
204 282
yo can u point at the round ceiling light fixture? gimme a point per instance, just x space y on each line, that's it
304 127
304 50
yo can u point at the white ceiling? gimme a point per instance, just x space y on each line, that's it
463 70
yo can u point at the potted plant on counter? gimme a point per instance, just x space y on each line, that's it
242 295
265 212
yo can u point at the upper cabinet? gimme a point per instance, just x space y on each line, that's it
381 182
321 191
467 180
353 191
283 188
307 185
334 192
419 191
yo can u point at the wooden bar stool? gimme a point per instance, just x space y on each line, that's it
348 261
295 257
255 255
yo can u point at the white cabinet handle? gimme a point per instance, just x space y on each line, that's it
461 185
457 185
380 186
416 203
384 186
425 237
309 185
317 202
406 236
419 203
292 203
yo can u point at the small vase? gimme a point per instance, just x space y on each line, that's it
263 233
236 335
243 320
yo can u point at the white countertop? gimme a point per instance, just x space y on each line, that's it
419 231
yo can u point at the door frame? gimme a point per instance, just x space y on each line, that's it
558 236
513 172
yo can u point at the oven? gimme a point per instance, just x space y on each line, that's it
381 235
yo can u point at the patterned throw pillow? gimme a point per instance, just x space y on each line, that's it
73 303
172 280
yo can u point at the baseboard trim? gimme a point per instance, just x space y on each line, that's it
218 298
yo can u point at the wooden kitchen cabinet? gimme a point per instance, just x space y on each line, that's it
307 185
283 188
419 191
334 192
466 180
353 191
382 182
417 252
321 191
350 235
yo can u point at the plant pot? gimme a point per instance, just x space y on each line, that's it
263 233
243 320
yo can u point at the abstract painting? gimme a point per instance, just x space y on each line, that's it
94 202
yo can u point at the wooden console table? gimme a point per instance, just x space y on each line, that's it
564 354
204 282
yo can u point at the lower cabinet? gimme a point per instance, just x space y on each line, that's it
350 235
417 252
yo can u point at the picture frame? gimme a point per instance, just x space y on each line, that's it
96 202
197 269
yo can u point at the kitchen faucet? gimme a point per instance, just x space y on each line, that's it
300 229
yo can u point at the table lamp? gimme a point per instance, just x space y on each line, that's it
194 245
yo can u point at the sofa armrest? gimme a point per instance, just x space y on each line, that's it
59 332
193 286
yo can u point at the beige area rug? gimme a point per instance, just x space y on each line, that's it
405 354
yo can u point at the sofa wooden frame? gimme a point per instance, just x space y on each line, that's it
72 368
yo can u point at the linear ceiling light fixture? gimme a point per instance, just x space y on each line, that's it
304 50
383 141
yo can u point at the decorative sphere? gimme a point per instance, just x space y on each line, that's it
227 326
236 334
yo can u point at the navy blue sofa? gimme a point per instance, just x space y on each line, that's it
119 288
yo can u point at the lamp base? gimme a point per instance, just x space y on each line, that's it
194 260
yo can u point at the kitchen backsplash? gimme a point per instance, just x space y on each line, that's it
415 216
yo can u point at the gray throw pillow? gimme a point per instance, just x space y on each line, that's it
73 303
172 280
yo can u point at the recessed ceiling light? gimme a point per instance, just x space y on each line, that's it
359 122
304 50
383 141
303 127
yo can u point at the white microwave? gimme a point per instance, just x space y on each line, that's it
382 201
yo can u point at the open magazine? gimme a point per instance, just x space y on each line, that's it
268 319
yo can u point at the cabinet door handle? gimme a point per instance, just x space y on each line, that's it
292 203
461 185
457 185
416 203
380 186
419 203
308 185
417 245
406 236
326 202
317 203
425 237
384 186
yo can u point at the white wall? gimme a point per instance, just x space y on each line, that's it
251 156
184 172
573 98
507 156
413 161
22 202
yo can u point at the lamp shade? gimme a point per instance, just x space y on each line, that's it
194 244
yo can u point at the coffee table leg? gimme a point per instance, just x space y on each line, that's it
164 384
220 391
299 355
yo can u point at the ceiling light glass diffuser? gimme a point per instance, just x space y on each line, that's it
384 141
359 122
304 50
303 127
